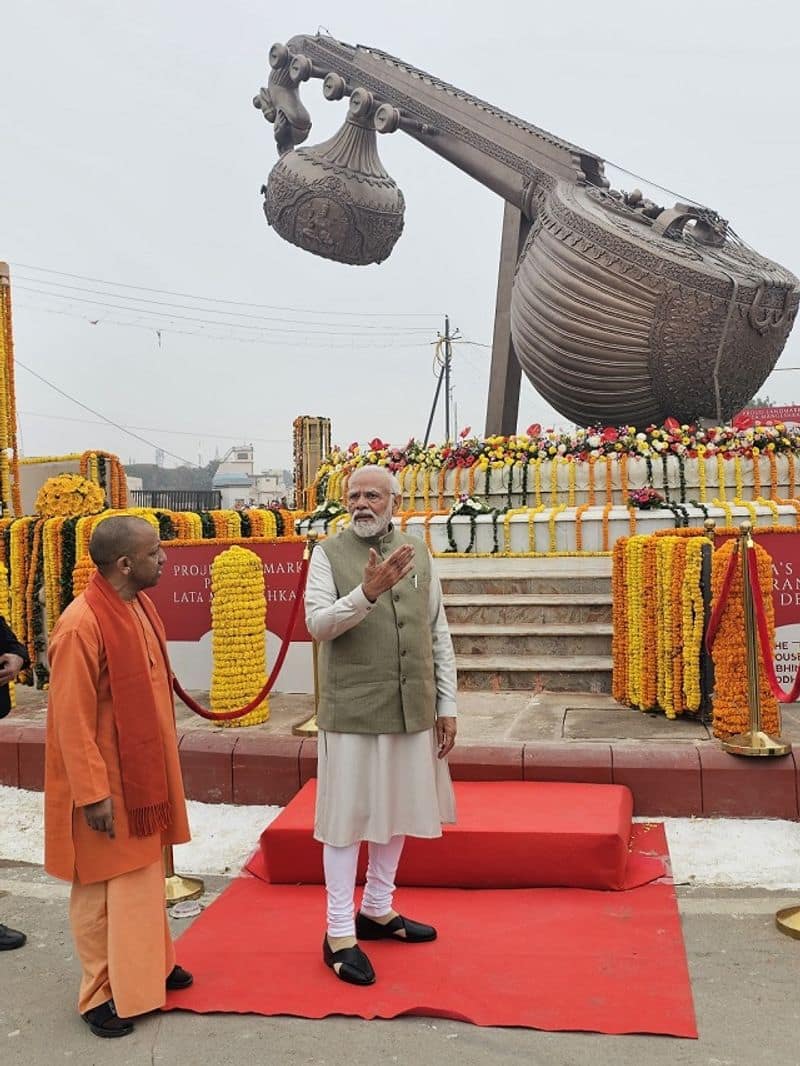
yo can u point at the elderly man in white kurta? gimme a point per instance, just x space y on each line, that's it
387 715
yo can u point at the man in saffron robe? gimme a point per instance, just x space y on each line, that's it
113 790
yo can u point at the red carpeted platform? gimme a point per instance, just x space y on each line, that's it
510 834
546 958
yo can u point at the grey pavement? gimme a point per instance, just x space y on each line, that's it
484 718
744 975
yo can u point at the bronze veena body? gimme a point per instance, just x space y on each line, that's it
622 311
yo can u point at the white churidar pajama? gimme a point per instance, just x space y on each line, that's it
386 785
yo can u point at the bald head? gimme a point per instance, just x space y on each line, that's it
115 537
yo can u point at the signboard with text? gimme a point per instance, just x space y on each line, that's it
183 598
768 416
785 551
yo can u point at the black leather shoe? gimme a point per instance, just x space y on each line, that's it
104 1021
10 938
355 967
416 932
178 978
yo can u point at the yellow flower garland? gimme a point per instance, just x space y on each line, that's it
4 613
238 611
69 495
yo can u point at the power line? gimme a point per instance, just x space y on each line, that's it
110 421
156 327
196 434
232 303
189 307
305 331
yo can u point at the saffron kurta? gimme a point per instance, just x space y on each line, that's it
82 758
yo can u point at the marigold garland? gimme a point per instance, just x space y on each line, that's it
658 616
4 613
69 495
238 612
731 714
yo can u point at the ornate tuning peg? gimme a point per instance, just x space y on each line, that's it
336 199
280 102
334 86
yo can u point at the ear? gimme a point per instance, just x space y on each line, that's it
123 565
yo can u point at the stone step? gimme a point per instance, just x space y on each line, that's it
527 584
527 608
536 673
526 639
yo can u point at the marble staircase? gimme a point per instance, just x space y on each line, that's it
538 625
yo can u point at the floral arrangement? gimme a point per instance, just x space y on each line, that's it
9 465
466 505
238 611
731 707
658 620
646 498
69 495
672 438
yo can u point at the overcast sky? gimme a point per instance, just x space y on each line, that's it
130 154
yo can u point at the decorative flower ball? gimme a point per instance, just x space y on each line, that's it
68 496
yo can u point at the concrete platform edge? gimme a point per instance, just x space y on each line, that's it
685 779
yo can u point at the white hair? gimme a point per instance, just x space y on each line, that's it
394 484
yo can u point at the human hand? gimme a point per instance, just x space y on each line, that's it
100 816
446 728
381 575
10 666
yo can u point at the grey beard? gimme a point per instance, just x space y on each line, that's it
375 527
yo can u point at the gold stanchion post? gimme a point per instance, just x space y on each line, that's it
755 741
309 727
177 888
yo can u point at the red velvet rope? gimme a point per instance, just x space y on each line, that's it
719 606
763 635
229 716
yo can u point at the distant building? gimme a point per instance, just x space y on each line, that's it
241 487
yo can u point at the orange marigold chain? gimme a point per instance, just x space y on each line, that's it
731 714
722 599
765 638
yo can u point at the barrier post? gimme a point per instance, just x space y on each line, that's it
178 888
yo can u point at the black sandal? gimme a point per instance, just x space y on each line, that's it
355 967
415 932
104 1021
178 978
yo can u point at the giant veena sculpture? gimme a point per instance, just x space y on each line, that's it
621 310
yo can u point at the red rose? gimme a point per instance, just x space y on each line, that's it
742 421
376 444
534 430
671 424
609 435
465 432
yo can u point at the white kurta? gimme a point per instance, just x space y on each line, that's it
376 786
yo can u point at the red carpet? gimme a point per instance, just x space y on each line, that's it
545 958
510 834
